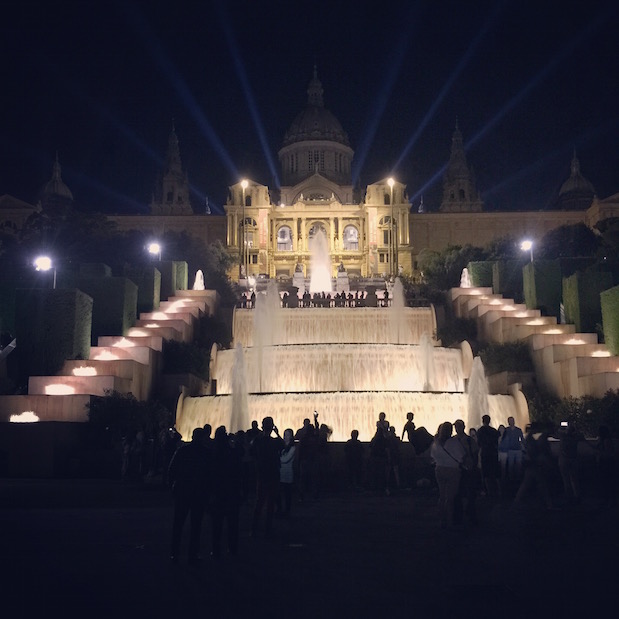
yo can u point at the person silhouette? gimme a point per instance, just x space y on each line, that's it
188 475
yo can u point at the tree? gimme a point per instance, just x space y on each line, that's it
569 242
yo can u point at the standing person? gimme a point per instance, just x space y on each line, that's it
466 499
393 457
354 460
379 464
307 436
538 464
569 438
447 454
513 440
409 427
606 467
189 477
488 441
226 492
286 473
266 450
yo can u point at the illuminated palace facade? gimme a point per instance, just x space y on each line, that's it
274 236
373 233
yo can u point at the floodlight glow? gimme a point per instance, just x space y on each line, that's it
574 341
154 249
601 353
25 417
124 343
59 389
390 182
527 245
244 184
43 263
85 371
105 356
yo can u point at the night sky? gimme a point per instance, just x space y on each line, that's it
100 82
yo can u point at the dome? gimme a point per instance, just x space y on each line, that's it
55 187
576 181
315 122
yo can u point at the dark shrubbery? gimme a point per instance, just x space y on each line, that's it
510 357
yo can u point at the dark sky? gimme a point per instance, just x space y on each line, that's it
100 83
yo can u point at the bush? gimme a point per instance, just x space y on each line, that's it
586 413
185 358
510 357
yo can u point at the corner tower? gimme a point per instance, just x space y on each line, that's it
171 196
459 192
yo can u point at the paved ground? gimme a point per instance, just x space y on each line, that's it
101 548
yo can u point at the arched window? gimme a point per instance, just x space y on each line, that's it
387 198
314 230
351 238
462 195
284 239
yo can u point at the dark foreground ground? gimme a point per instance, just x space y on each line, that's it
101 548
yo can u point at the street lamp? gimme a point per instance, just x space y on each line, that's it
44 263
390 182
243 265
154 249
527 245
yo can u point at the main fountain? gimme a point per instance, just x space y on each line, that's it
346 363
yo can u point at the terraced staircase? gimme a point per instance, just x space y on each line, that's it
126 364
566 363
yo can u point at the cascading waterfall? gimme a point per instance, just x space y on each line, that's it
343 362
239 415
478 399
427 348
320 264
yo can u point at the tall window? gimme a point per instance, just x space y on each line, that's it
284 239
351 238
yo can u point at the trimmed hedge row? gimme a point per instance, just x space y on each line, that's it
51 326
581 298
481 273
610 318
148 281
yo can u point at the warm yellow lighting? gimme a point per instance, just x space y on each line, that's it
537 321
496 302
552 331
152 325
124 343
574 341
25 417
159 316
139 333
244 184
84 371
521 315
154 248
59 389
105 356
390 182
601 353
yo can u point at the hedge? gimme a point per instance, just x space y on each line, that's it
542 285
581 298
481 273
114 304
51 327
610 318
507 279
148 281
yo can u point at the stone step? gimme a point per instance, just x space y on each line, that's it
46 407
185 330
154 341
165 333
185 314
141 354
184 305
541 340
71 385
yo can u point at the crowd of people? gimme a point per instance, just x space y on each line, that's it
218 475
359 298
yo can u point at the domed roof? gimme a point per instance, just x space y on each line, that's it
576 181
315 122
55 187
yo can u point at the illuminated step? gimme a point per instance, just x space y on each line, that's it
44 407
150 340
166 333
71 385
141 354
185 330
185 315
541 340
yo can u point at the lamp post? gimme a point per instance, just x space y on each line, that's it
390 182
527 245
44 263
243 265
